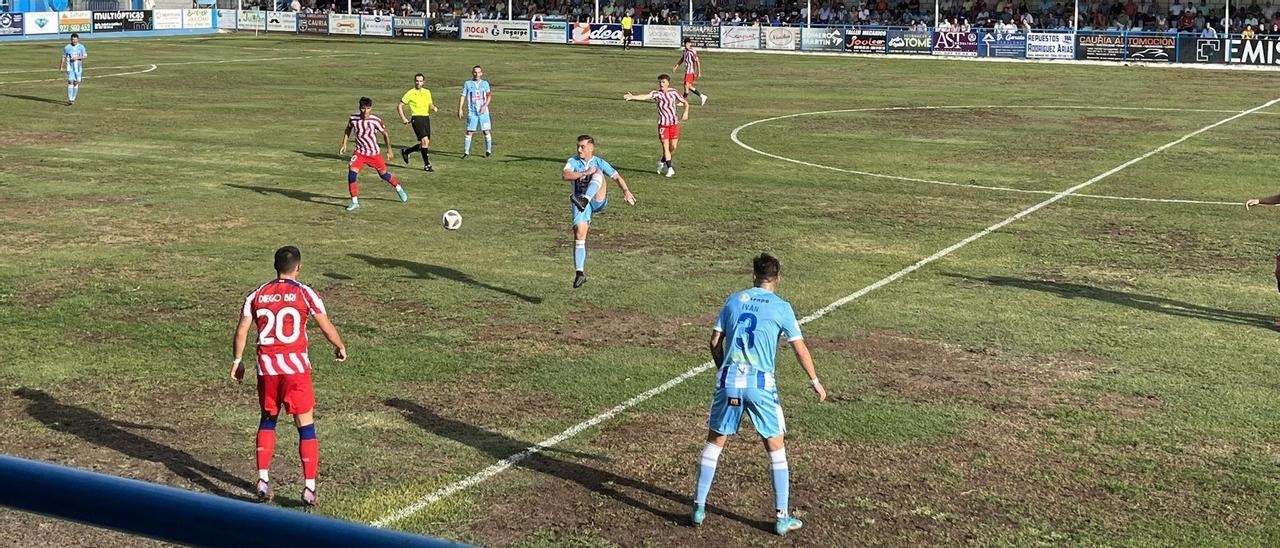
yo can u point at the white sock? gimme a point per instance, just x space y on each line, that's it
262 475
311 484
355 199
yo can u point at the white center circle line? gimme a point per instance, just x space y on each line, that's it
734 137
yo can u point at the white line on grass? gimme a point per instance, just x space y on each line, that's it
177 63
734 136
497 467
148 69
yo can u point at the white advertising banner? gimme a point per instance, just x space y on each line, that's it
40 22
551 32
662 36
740 37
1041 45
197 19
506 31
781 38
375 25
341 23
282 21
166 19
226 19
252 20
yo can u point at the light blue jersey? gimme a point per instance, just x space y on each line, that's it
75 69
477 94
578 165
751 321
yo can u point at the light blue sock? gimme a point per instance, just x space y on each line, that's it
488 144
592 189
781 480
466 145
579 254
71 93
706 472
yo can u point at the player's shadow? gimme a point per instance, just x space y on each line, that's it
1149 303
595 480
324 155
34 98
303 195
102 431
424 271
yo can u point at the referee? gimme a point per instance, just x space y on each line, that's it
420 109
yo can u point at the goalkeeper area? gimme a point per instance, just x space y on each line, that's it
1039 306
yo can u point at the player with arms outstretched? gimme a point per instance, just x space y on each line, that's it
73 56
743 344
667 100
590 195
280 309
366 127
692 69
476 95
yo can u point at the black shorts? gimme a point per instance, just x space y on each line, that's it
421 126
626 33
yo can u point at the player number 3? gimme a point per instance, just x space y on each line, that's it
275 325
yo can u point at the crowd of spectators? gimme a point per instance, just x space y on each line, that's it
1253 19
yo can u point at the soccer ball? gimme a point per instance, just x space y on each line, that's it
452 220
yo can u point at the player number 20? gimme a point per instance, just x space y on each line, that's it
273 332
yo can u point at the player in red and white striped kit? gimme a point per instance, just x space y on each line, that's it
366 127
280 309
667 100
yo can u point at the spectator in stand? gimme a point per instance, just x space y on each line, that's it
1208 31
1246 34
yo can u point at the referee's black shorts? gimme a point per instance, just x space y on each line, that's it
421 126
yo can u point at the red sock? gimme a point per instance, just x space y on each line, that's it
354 189
266 446
309 450
389 178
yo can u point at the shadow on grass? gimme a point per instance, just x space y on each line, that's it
103 431
34 98
424 271
304 196
614 486
1148 303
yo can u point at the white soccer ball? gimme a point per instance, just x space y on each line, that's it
452 220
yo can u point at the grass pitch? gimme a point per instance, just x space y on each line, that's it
1099 372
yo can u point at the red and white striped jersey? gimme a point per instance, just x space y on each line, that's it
667 101
687 57
280 309
365 131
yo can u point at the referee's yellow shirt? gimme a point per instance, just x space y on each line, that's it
419 101
626 23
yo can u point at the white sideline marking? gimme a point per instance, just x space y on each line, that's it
203 62
734 136
148 69
497 467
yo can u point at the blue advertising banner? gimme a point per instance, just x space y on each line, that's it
1005 46
10 24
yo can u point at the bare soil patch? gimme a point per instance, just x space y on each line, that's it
23 137
591 328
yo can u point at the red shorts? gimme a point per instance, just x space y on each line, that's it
293 391
375 161
688 78
670 132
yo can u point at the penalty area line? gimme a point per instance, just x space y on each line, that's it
498 467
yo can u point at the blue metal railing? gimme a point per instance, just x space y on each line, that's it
175 515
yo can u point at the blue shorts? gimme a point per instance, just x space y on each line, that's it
478 122
74 75
584 216
761 405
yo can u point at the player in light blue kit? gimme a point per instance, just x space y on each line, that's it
476 96
73 56
590 195
743 345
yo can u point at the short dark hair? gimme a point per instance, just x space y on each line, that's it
766 267
477 67
688 40
287 259
419 75
75 35
366 102
586 138
666 77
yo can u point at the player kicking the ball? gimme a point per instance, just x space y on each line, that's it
590 195
366 127
743 344
280 308
667 100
